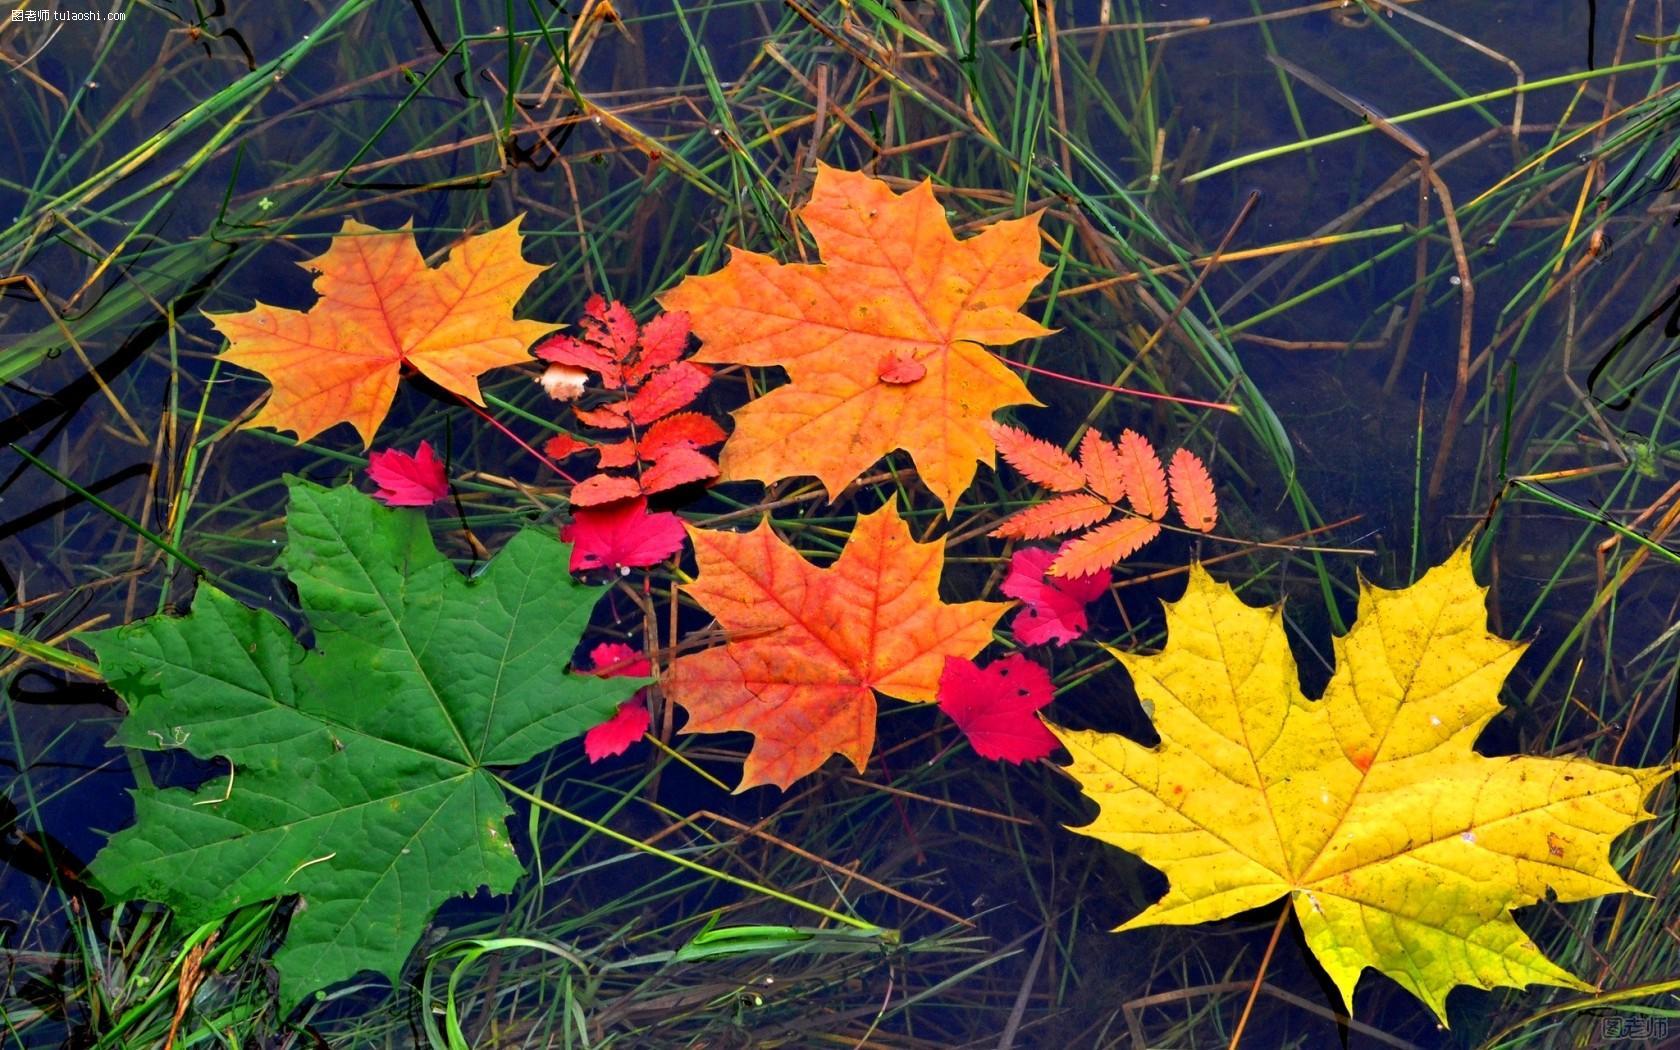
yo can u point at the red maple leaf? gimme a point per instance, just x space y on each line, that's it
996 707
622 536
408 479
631 720
1052 608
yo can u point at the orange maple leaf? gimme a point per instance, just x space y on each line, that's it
895 290
808 646
380 306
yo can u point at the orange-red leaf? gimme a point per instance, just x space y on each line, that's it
677 466
1146 482
564 446
683 430
617 454
894 280
380 306
1103 546
664 392
1038 460
808 647
1192 491
1103 466
1054 517
603 488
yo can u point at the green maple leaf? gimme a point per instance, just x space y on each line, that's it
359 779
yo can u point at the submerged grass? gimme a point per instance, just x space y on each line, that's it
1422 341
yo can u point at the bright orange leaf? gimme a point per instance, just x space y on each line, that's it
1103 469
1146 482
1038 460
1103 546
808 647
1192 491
895 287
381 306
1054 517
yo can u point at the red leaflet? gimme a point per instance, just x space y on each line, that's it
689 430
1052 609
1192 491
622 536
996 707
603 489
1038 460
631 720
560 446
406 480
678 466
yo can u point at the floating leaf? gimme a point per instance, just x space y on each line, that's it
1192 491
381 307
1398 846
408 480
996 706
621 536
627 725
1104 470
1054 517
808 647
1038 460
1052 609
1146 482
893 281
1103 547
359 774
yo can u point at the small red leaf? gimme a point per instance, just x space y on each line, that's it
622 536
617 660
405 480
1038 460
996 707
897 369
663 341
1192 491
603 488
1052 609
683 430
571 352
666 391
564 446
618 454
677 466
616 734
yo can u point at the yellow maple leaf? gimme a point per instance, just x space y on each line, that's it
884 341
380 306
1399 847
